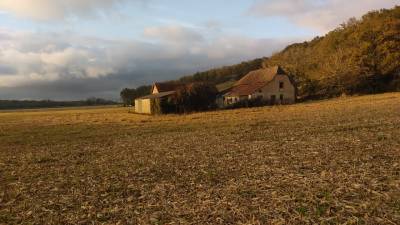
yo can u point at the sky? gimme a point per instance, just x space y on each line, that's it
76 49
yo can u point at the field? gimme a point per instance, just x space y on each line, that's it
327 162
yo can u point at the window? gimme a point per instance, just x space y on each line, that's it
281 98
281 85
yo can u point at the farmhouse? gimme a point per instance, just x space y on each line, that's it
270 85
159 91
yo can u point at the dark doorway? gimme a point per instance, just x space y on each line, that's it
273 99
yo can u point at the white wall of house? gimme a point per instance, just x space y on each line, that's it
143 106
138 105
281 87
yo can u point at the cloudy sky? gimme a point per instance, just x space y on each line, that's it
75 49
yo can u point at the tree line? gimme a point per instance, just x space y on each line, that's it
226 73
31 104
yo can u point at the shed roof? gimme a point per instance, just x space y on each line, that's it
255 80
167 86
158 95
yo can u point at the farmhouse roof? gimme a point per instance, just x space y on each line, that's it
158 95
254 80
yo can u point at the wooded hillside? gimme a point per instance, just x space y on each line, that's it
361 56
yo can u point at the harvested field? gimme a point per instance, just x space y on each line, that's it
327 162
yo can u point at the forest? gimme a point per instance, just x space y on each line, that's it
361 56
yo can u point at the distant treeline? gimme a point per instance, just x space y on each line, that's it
30 104
224 74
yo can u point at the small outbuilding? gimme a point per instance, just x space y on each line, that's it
145 104
159 91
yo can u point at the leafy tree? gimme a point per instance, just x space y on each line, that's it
128 96
198 96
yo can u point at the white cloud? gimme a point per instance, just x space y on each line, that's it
56 9
27 57
173 33
323 15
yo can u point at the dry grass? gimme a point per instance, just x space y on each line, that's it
325 162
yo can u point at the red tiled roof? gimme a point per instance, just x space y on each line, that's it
254 81
245 89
